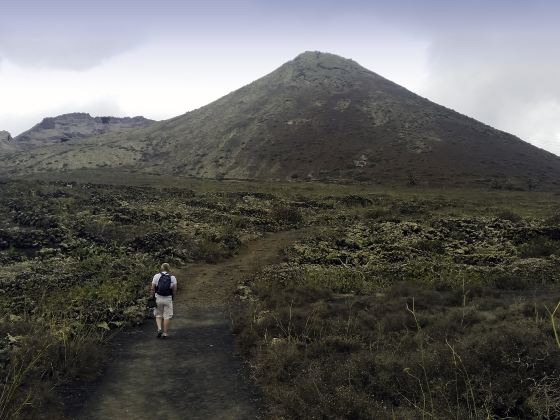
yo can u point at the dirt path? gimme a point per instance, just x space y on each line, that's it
195 374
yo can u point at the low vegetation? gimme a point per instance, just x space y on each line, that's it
411 309
75 263
402 303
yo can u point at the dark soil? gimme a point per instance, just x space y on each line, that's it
196 372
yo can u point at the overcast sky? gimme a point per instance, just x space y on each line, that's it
497 61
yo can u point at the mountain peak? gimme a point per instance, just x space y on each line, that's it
316 55
323 60
318 69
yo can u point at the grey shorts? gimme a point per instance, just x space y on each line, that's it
164 307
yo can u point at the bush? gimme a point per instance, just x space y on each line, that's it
539 247
431 246
509 215
210 251
381 214
553 220
286 215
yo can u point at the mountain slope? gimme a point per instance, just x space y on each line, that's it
319 116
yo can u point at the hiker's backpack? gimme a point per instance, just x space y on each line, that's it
163 287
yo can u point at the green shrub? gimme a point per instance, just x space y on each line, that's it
538 247
553 220
509 215
432 246
287 215
381 214
210 251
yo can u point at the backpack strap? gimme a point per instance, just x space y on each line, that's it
157 285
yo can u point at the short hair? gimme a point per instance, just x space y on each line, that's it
165 267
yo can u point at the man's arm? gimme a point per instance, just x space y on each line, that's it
153 285
173 286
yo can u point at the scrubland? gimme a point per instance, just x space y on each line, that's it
409 305
76 261
400 302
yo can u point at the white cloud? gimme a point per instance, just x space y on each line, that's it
509 82
29 95
539 124
61 50
157 81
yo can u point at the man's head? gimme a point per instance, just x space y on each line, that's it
165 267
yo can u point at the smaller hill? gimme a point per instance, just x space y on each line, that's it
6 142
75 126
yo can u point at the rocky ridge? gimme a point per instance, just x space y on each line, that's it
75 126
6 141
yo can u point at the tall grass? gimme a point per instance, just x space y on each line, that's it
553 322
43 355
12 401
411 351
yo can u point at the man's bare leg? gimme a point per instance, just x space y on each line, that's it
165 326
158 322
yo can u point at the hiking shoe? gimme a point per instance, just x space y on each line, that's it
159 333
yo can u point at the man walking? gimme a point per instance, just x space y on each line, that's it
164 287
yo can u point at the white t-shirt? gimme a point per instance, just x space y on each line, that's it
155 280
